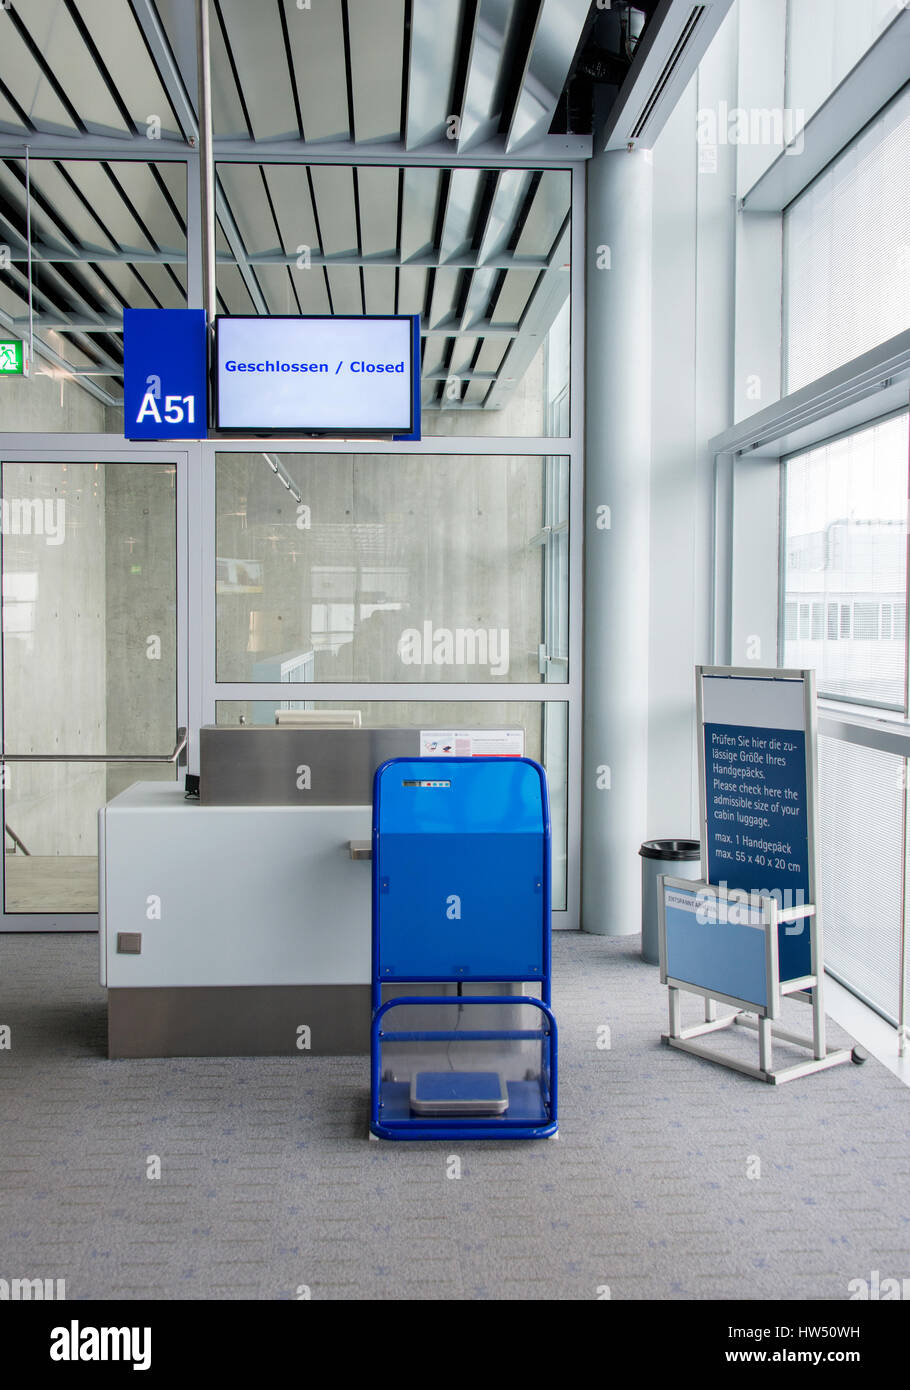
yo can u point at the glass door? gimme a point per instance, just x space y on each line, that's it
91 675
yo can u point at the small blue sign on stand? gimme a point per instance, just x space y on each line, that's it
165 374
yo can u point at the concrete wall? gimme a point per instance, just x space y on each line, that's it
40 403
54 658
141 604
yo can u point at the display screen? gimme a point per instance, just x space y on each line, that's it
327 375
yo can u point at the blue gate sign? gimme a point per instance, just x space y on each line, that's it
165 377
756 799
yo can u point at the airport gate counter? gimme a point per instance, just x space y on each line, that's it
238 924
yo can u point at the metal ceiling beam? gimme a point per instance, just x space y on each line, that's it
553 151
90 256
447 329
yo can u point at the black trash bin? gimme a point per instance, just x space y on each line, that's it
679 858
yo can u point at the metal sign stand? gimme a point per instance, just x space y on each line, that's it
724 928
752 1012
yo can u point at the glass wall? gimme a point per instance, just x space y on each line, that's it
845 564
391 568
861 836
89 661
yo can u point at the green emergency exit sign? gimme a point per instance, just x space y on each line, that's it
10 358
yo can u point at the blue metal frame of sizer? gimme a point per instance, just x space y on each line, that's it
461 891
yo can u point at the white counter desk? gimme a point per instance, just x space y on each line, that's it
224 930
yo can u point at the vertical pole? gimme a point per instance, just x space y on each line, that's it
617 533
819 1039
28 238
673 995
206 157
764 1044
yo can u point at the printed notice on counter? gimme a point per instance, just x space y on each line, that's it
472 743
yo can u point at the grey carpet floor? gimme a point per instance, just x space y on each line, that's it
269 1186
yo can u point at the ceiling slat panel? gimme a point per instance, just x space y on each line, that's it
233 291
477 304
510 303
119 41
29 86
242 185
130 290
290 193
512 188
462 353
10 123
316 39
461 212
94 184
378 197
47 181
84 222
259 52
311 290
173 175
162 286
556 37
147 199
333 186
379 289
178 20
445 289
345 285
52 28
412 289
492 351
12 303
418 212
547 214
493 54
376 30
275 281
435 29
434 357
228 120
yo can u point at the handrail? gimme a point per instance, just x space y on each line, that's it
15 839
171 757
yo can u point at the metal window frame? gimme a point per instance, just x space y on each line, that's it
196 475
